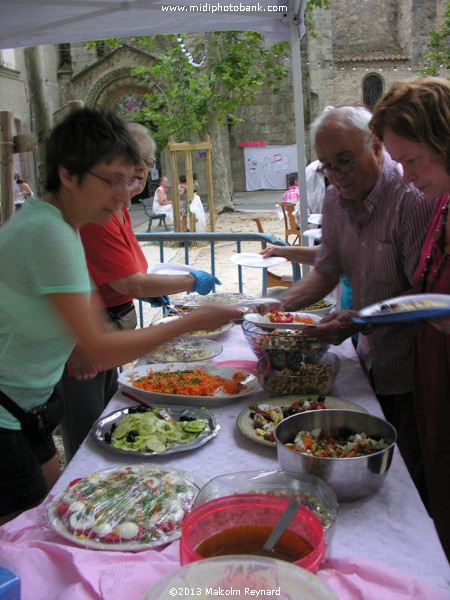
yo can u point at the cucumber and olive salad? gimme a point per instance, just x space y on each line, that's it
146 430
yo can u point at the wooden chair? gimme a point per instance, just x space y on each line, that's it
147 203
290 226
274 280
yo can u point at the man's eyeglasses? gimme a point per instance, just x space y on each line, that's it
115 184
343 167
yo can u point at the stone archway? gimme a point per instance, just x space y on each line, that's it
114 88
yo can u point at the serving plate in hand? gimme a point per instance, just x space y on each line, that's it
196 335
246 424
413 307
126 378
251 259
170 269
265 323
102 427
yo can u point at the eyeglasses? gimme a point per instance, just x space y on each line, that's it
343 167
149 162
115 184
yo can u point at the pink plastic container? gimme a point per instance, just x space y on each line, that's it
240 524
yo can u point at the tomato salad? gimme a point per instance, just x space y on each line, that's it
341 444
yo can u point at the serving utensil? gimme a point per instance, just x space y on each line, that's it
165 414
284 522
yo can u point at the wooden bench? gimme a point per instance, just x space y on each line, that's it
147 203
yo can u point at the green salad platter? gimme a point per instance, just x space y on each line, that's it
150 431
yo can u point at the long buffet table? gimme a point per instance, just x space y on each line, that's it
391 528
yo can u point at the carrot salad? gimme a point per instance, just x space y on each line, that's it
192 382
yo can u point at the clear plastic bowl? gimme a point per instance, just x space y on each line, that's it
235 575
296 372
242 517
261 340
185 351
311 491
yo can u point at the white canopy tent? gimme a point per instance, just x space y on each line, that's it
40 22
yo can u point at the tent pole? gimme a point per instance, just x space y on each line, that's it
299 129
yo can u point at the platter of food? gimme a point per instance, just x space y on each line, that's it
258 421
199 384
406 308
149 431
184 350
252 259
128 508
276 319
197 335
196 300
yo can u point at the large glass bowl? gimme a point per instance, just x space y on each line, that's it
290 373
261 340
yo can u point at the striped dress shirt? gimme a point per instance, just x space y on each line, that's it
378 251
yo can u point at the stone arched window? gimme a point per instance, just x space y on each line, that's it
372 89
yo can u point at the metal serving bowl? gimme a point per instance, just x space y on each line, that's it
350 478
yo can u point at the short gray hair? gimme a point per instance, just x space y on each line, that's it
144 140
358 116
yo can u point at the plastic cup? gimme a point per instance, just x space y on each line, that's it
236 521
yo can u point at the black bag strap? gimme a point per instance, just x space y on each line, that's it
12 407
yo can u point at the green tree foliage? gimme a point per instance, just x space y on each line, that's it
183 97
438 57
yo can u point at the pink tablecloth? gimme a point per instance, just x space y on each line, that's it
50 568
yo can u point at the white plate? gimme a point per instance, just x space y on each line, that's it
207 335
251 259
170 269
126 379
126 497
245 422
415 307
315 219
265 323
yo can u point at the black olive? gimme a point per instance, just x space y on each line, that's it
107 437
321 398
186 418
132 435
113 427
252 415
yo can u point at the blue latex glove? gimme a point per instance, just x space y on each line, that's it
158 302
204 282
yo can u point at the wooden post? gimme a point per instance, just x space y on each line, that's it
212 217
187 150
6 165
190 189
174 190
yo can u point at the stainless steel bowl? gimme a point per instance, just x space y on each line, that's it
350 478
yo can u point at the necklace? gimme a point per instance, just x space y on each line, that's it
437 256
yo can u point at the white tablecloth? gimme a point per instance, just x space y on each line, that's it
391 527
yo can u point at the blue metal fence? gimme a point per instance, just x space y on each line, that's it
185 241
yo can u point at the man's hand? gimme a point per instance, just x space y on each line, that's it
335 327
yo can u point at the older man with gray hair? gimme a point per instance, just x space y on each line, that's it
372 232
